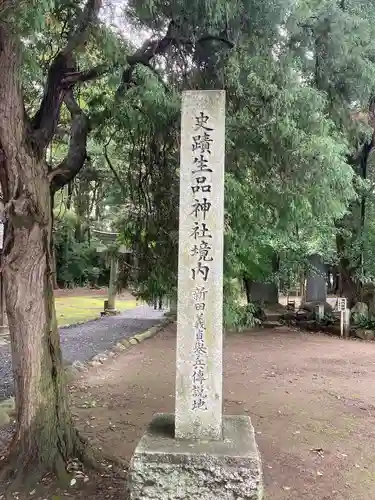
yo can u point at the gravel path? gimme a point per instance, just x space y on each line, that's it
81 342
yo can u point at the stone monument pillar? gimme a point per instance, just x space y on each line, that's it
316 287
112 287
197 454
113 250
200 272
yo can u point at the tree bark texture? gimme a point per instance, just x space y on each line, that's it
349 286
45 436
44 432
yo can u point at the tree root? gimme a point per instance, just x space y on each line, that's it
96 459
21 471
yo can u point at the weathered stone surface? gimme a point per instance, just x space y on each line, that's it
271 324
360 312
102 357
80 367
94 364
200 279
316 287
133 341
146 335
303 315
110 312
313 306
120 347
360 308
265 293
289 316
365 334
163 468
125 342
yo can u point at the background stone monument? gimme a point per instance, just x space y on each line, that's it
198 454
110 247
316 286
314 298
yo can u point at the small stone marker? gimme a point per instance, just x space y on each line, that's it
342 307
320 311
200 271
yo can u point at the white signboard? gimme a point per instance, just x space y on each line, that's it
342 304
342 308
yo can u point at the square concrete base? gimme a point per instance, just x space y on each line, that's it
163 468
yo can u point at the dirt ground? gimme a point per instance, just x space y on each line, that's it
310 398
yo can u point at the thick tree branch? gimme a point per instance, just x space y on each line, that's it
77 153
85 76
144 54
152 48
214 38
45 121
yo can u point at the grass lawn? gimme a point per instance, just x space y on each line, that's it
70 310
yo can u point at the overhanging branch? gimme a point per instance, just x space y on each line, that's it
75 159
146 53
73 77
152 48
214 38
45 121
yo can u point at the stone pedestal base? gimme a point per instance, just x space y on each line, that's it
110 312
163 468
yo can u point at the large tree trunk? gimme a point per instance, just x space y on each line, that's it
45 437
349 286
247 285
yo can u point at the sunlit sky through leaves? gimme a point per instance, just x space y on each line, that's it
113 14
